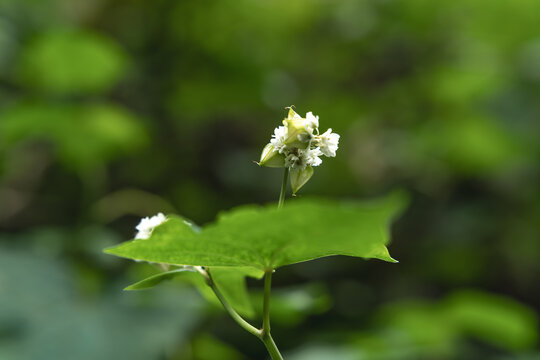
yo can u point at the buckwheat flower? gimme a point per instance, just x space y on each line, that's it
279 138
302 158
305 137
328 143
302 128
311 122
293 160
147 225
298 146
311 156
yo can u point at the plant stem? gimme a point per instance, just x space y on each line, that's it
266 336
264 333
266 302
239 319
283 187
271 347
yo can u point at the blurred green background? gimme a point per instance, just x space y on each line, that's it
111 110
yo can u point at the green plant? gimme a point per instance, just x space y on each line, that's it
255 240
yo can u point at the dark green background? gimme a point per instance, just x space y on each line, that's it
114 110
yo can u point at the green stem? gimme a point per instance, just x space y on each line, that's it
271 347
266 302
239 319
266 337
283 187
264 333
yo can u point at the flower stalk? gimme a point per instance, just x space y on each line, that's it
283 188
266 336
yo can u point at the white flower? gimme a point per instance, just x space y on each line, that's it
311 122
299 146
279 138
300 158
328 143
311 156
292 160
147 225
305 137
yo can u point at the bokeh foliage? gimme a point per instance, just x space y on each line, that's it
114 109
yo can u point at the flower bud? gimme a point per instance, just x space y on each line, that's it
271 158
297 135
299 177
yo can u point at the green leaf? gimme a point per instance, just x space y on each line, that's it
264 237
230 280
157 279
299 177
271 158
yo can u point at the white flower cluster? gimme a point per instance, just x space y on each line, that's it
147 225
300 143
298 146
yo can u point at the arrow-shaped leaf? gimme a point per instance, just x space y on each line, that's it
264 237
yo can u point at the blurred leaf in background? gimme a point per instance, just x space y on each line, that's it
84 135
423 330
71 62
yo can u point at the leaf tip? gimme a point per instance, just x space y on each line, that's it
136 287
109 250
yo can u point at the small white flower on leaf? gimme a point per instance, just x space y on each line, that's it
298 146
147 225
